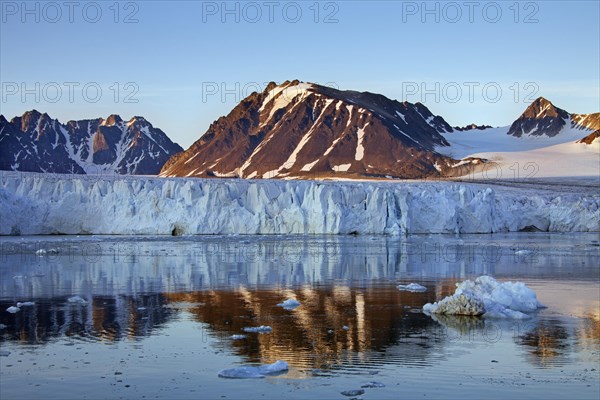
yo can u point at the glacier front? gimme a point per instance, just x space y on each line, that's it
33 204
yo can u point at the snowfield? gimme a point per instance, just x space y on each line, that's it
32 204
527 156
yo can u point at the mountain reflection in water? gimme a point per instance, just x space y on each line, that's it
351 312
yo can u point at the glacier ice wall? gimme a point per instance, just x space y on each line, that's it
67 204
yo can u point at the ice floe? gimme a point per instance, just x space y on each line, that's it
289 304
77 300
262 371
13 309
258 329
412 287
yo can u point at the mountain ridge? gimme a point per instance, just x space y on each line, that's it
36 142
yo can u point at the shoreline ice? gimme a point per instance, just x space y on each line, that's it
65 204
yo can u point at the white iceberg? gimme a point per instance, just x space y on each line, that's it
238 337
77 300
258 329
289 304
412 287
13 309
254 372
25 304
487 297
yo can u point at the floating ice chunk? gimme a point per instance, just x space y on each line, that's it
289 304
4 353
2 326
43 252
373 385
13 309
345 327
412 287
488 297
238 337
258 329
254 372
523 252
353 393
25 304
77 300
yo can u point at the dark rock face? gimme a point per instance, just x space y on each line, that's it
306 130
543 118
472 127
589 139
37 143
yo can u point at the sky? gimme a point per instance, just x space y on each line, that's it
183 64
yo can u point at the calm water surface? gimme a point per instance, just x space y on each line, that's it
159 315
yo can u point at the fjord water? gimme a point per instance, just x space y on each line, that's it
156 316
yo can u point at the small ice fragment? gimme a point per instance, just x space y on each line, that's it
77 299
4 353
289 304
254 372
2 326
13 309
373 384
43 252
238 337
25 304
352 393
345 327
141 308
412 287
330 331
523 252
258 329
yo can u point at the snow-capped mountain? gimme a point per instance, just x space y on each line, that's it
38 143
306 130
543 118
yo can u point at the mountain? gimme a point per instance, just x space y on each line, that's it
38 143
306 130
543 118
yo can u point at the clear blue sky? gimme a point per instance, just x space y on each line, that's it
177 52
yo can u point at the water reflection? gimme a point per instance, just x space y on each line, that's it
101 318
351 315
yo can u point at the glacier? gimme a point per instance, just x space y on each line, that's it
34 204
